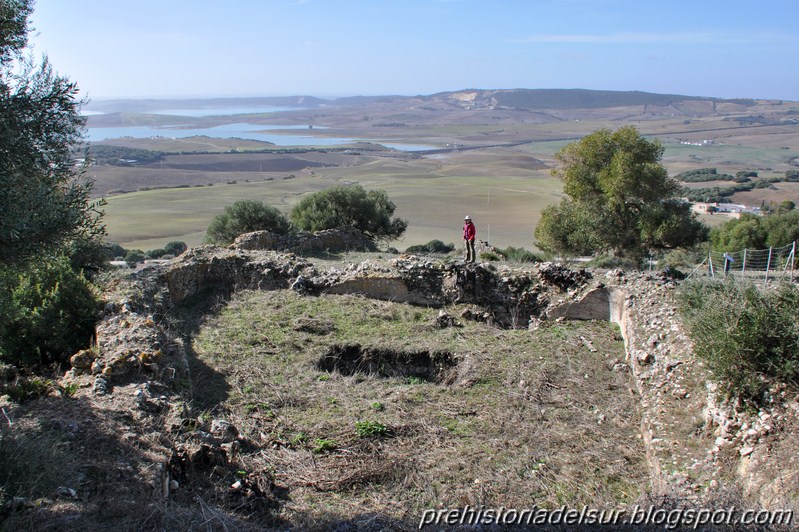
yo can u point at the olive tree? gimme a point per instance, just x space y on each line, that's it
46 197
350 205
245 216
49 227
620 199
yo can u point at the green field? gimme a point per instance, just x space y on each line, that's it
432 196
502 178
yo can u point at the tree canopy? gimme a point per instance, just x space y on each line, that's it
620 199
45 199
245 216
750 231
349 205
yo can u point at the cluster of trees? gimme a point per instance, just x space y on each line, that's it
778 228
743 179
703 174
123 156
720 194
369 211
50 230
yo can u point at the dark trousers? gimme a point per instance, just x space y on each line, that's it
470 250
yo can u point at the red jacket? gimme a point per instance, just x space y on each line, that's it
468 231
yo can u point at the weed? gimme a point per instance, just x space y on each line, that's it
29 388
413 380
377 405
251 408
299 438
69 389
323 378
366 429
322 445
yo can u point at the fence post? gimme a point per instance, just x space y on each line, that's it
710 264
793 258
768 264
743 266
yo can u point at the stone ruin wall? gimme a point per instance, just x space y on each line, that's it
686 435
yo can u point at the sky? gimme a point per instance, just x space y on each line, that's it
331 48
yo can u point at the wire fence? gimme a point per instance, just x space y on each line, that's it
772 264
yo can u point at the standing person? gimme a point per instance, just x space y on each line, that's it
468 237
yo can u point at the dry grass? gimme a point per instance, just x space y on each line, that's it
527 418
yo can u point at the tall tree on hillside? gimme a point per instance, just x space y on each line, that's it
620 199
45 198
48 225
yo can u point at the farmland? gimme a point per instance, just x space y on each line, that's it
493 164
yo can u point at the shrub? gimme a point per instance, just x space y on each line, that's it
610 261
48 312
748 337
245 216
489 255
518 255
368 211
434 246
175 248
134 256
29 388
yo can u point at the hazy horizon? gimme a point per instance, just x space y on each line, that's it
203 97
186 49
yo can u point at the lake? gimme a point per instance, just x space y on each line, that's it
239 130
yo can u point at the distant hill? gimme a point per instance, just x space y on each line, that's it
559 99
534 99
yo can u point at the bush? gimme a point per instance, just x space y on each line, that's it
434 246
519 255
368 211
134 256
175 248
489 255
610 261
748 337
49 312
245 216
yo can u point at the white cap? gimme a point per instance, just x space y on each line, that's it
468 217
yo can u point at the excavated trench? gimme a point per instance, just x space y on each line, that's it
440 367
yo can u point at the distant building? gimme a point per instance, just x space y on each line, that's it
734 210
705 142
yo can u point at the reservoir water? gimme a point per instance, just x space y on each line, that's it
276 134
